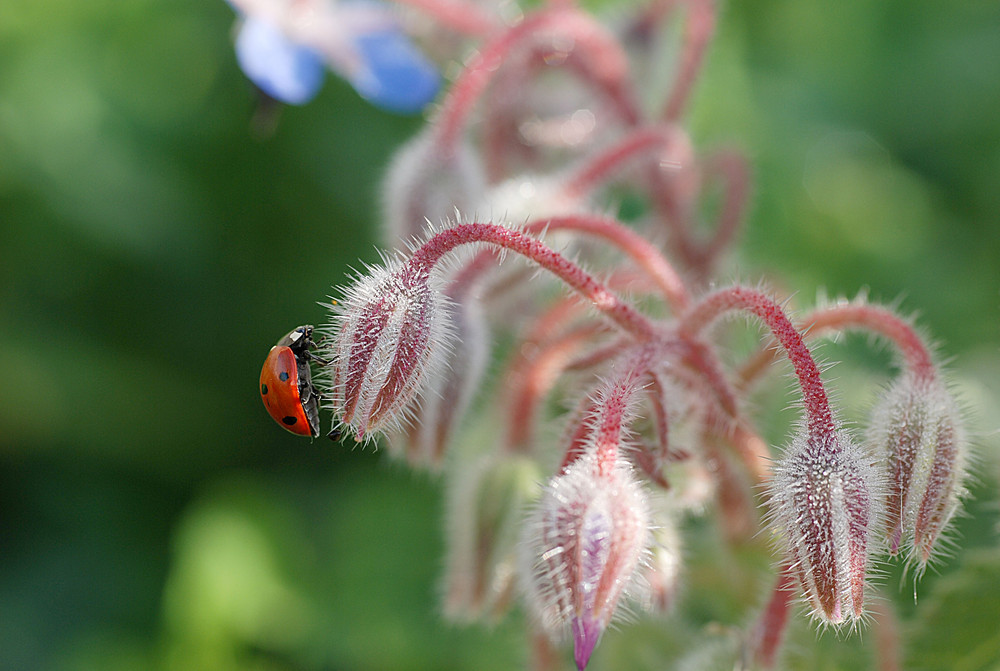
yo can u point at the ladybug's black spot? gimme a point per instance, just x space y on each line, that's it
288 420
283 376
263 390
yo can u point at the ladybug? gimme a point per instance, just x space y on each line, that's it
286 383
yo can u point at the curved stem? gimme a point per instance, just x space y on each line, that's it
609 64
638 143
874 318
607 303
698 29
646 255
819 415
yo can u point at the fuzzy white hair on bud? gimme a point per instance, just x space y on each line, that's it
826 514
582 548
389 334
917 431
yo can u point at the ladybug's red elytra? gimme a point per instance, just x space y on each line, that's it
286 384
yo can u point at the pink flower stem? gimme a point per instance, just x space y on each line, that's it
600 419
732 167
887 644
819 415
641 143
620 313
613 408
646 255
698 32
874 318
768 634
884 322
463 17
609 63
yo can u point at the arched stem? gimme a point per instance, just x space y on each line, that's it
607 303
608 62
819 416
873 318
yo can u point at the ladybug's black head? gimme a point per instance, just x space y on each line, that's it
299 340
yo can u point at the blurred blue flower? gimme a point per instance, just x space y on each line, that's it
284 48
281 68
398 78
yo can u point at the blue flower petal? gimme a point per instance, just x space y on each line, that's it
398 78
282 69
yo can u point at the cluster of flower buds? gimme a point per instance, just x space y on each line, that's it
543 127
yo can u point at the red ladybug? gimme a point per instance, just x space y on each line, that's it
286 384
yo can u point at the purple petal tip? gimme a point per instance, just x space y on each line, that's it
586 634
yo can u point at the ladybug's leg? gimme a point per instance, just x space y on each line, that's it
315 357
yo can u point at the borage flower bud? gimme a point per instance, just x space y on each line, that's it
426 182
916 429
484 513
824 508
439 411
390 332
582 549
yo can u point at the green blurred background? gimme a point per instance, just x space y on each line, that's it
152 248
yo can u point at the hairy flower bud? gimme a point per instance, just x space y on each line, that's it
485 509
582 549
438 413
917 430
425 184
389 334
824 507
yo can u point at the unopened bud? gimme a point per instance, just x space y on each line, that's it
484 514
582 549
389 334
917 430
425 184
824 507
439 411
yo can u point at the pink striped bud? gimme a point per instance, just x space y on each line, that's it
917 430
825 497
390 334
582 549
440 410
